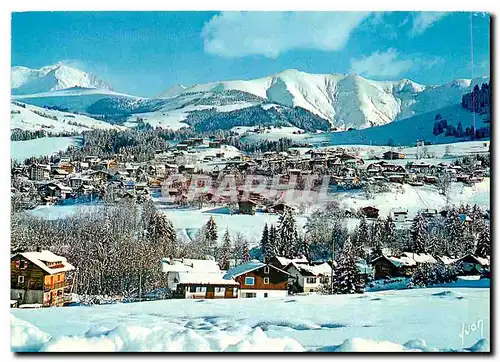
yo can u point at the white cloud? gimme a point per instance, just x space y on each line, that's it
239 34
424 20
381 64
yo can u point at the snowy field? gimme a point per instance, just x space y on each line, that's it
429 319
30 118
21 150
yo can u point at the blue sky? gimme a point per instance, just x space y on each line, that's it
144 53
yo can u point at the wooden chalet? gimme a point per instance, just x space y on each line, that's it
38 278
370 211
259 280
392 155
247 207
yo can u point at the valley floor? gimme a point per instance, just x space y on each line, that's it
428 319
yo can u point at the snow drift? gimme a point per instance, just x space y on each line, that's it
136 338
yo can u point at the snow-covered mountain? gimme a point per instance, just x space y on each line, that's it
347 100
51 78
343 100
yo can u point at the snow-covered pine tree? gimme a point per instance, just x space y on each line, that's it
264 244
211 235
362 238
483 248
389 234
423 276
454 232
377 236
419 234
346 277
225 251
272 250
287 235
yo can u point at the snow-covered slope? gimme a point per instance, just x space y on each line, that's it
403 132
348 100
32 118
53 77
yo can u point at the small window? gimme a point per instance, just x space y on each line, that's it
192 289
249 281
59 293
311 280
251 295
266 280
265 295
266 270
20 279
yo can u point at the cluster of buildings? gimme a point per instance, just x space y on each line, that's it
385 267
40 279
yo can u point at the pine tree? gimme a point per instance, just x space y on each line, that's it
346 278
287 235
211 235
225 251
245 252
362 238
272 249
419 234
377 236
423 276
483 248
264 244
454 232
389 235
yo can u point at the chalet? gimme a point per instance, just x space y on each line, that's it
370 211
172 267
247 207
259 280
59 174
474 265
399 215
67 166
186 168
430 179
204 286
38 278
75 182
392 155
99 176
308 278
428 213
396 178
214 144
182 147
55 189
402 266
38 172
280 207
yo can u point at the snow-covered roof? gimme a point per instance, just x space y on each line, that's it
420 258
478 259
285 261
40 258
408 259
320 269
204 278
446 260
